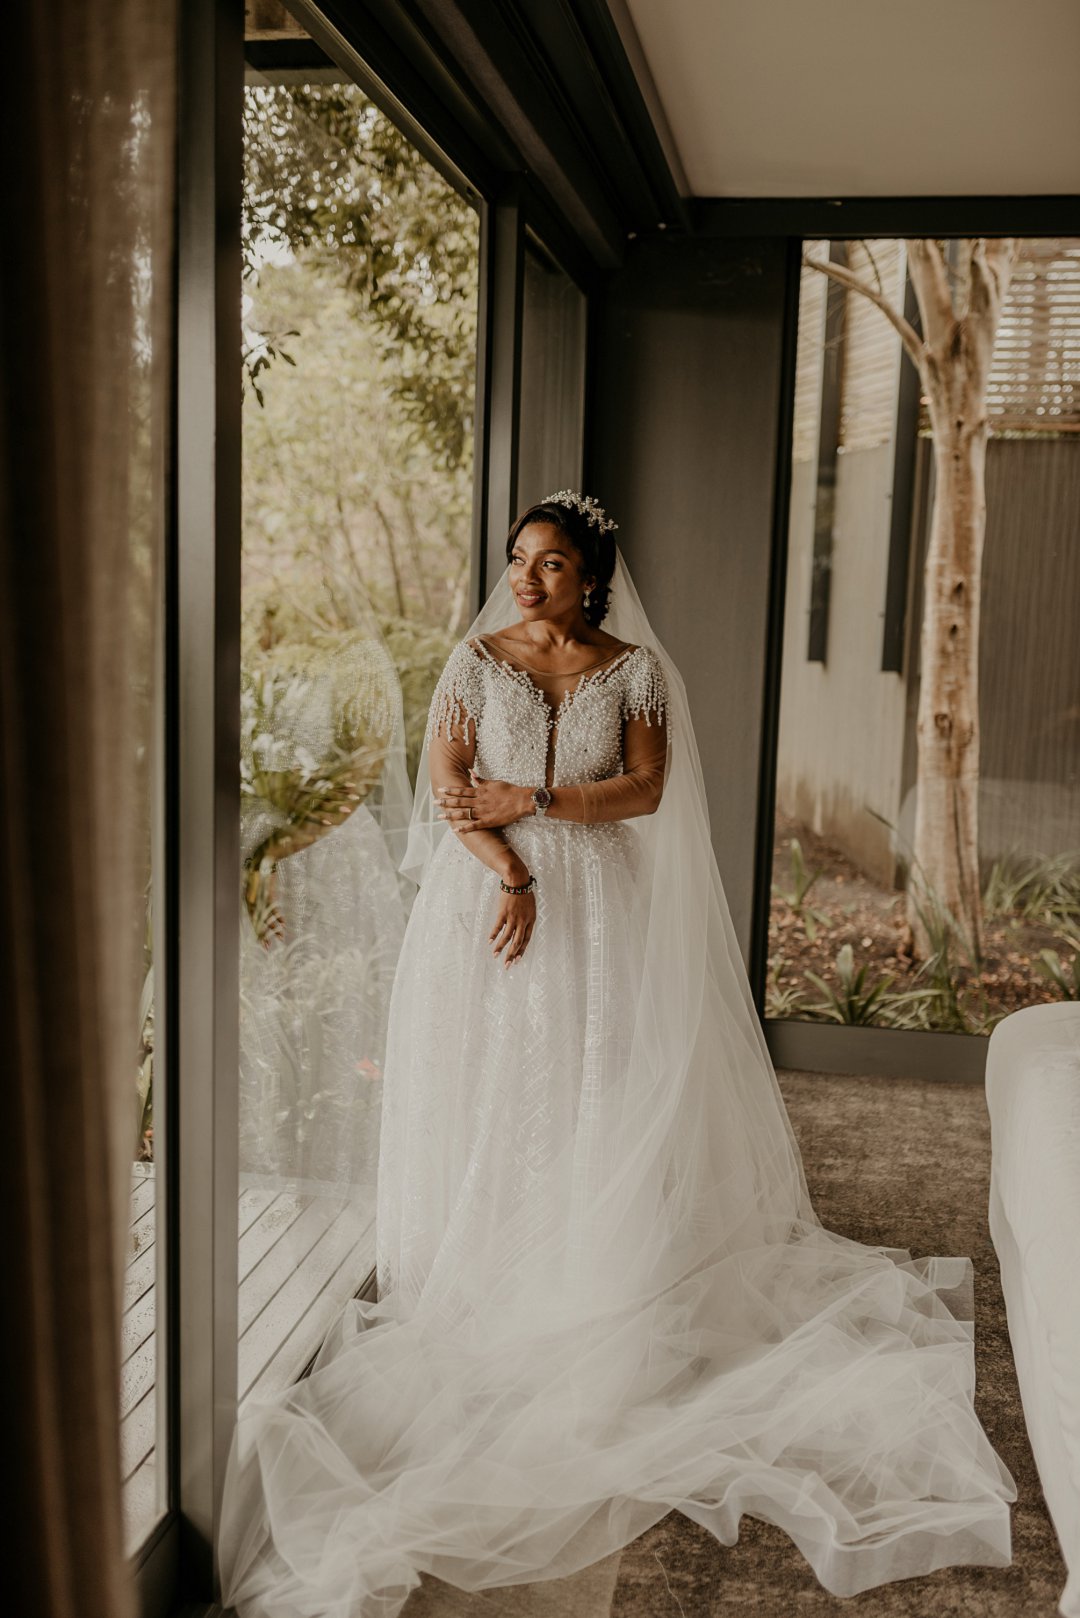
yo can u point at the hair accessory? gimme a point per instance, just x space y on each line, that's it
584 503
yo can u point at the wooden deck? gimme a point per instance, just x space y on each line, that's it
300 1258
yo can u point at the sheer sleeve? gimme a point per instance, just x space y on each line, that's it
457 706
458 697
638 790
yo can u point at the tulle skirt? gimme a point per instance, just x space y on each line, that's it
522 1400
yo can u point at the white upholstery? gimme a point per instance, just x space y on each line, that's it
1033 1097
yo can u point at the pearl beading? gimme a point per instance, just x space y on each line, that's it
513 721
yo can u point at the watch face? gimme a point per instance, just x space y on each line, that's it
542 797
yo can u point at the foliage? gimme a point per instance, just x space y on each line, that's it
854 1001
1065 977
316 722
419 653
345 525
802 880
788 1001
328 176
1043 888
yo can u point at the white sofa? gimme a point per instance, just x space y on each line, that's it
1033 1097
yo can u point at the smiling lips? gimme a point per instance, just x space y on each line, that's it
528 600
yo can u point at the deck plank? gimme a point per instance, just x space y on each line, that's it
137 1434
137 1376
299 1258
275 1325
141 1510
142 1231
139 1275
253 1201
294 1352
142 1195
138 1324
269 1275
267 1230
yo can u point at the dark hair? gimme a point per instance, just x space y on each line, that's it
596 549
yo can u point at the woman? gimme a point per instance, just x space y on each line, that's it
603 1290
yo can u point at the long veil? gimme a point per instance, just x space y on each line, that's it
688 1335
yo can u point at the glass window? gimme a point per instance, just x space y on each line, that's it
144 1368
361 267
926 858
552 379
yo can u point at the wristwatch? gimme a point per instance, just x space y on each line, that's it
541 800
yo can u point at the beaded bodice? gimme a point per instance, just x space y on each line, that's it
522 738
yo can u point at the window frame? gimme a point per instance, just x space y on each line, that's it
198 738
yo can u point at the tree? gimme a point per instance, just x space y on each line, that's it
327 175
960 307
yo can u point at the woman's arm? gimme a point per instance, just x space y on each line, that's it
637 791
449 763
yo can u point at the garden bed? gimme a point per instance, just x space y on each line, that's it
822 902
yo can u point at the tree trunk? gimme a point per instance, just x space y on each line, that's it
945 871
952 354
960 325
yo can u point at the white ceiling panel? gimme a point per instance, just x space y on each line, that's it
858 98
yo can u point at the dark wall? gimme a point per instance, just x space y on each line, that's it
684 411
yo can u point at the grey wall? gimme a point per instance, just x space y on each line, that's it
1029 651
682 452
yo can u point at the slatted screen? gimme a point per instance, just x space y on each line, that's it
871 347
809 358
1035 375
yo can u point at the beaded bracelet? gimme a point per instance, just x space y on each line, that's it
505 886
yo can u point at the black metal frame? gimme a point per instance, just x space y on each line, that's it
757 969
832 397
196 936
794 1042
903 501
860 217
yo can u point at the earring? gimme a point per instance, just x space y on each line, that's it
588 593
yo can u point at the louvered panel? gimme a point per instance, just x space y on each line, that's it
809 358
1034 382
872 347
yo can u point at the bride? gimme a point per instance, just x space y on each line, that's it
603 1292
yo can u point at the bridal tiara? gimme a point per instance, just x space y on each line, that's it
584 503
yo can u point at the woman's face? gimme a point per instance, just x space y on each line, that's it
545 573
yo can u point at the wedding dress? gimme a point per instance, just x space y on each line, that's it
603 1290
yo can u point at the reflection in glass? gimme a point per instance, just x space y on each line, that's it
144 1363
552 379
864 494
361 274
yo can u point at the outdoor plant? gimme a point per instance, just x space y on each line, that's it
788 1001
802 880
855 1000
858 1002
1066 978
1039 888
317 720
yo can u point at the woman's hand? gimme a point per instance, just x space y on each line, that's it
514 924
493 804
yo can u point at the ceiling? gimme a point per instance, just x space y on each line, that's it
859 98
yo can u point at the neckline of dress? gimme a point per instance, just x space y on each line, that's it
514 670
